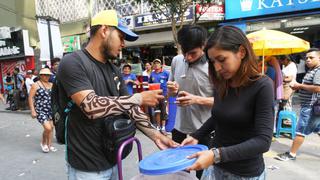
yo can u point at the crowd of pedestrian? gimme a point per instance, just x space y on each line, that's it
219 85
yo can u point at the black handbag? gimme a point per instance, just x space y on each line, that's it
117 130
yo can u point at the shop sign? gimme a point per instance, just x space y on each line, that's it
129 21
159 19
214 12
12 47
71 43
249 8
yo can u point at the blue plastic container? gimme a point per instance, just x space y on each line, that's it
171 114
170 160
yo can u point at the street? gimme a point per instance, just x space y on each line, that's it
22 158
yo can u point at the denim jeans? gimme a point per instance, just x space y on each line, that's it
220 174
109 174
307 123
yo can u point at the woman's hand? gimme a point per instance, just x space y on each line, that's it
205 159
33 114
189 141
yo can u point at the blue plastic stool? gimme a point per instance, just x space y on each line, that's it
287 115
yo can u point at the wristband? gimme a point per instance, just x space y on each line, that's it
217 157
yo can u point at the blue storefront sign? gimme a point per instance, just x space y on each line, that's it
249 8
158 19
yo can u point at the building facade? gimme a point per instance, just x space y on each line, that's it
297 17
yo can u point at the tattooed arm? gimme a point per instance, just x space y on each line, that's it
95 106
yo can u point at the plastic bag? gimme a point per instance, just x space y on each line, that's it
208 174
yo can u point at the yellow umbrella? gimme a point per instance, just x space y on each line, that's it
272 42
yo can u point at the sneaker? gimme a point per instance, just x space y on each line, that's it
53 149
285 156
44 148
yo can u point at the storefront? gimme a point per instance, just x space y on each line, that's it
15 52
156 38
297 17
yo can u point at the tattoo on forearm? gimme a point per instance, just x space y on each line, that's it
142 121
95 106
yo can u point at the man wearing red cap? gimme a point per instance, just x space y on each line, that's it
96 87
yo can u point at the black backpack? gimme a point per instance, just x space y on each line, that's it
60 111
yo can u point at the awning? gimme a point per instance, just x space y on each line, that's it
152 38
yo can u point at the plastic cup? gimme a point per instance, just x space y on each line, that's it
154 86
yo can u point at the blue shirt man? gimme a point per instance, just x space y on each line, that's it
159 76
129 78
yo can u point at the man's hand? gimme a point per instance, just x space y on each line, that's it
163 142
151 98
186 99
172 87
295 86
205 159
189 141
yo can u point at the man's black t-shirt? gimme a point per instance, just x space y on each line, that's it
84 143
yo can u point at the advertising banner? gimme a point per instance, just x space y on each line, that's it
44 39
71 43
249 8
12 47
214 12
129 21
158 19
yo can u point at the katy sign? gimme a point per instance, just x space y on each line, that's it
249 8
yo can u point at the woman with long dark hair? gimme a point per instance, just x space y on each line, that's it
242 115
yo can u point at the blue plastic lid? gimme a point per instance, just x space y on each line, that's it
169 160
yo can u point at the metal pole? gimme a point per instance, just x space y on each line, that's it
50 38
